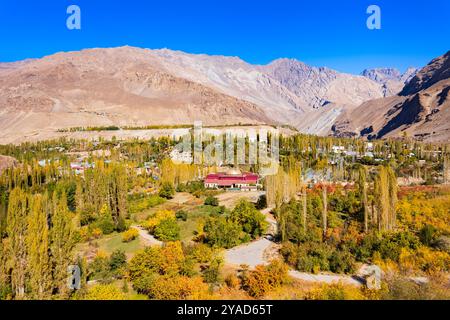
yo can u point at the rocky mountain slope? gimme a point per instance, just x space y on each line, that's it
123 86
132 86
391 79
420 110
135 87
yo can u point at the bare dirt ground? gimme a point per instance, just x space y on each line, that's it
251 254
147 238
229 199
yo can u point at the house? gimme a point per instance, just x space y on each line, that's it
79 167
338 149
233 179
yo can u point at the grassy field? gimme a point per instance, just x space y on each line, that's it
181 201
109 244
195 216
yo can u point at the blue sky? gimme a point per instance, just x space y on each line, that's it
318 32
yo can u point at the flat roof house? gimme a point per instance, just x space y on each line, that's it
233 179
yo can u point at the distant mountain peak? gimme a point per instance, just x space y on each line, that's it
438 69
421 110
391 79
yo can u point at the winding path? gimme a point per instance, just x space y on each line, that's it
147 237
261 251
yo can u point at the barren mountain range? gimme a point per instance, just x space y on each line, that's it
135 87
392 79
421 110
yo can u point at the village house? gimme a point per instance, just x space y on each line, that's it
233 180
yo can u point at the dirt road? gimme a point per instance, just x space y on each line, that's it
147 237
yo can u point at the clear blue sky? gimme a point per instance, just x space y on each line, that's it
318 32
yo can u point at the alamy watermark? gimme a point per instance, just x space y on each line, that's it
374 20
231 146
74 279
73 22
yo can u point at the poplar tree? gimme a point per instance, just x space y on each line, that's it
62 243
325 209
385 196
3 261
18 210
362 187
38 249
446 170
393 199
305 205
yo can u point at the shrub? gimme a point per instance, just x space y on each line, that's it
428 235
390 247
261 203
264 278
402 288
211 274
181 215
166 260
336 291
167 230
117 260
130 235
151 223
202 253
232 281
99 269
342 262
167 190
104 292
106 224
211 201
144 202
96 233
175 288
314 257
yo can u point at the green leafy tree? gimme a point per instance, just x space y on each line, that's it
223 233
167 230
211 201
252 221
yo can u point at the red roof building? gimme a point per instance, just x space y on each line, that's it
232 179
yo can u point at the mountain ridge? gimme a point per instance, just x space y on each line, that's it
421 110
129 86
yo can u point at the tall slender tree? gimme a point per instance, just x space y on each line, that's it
325 209
39 272
17 222
305 208
393 199
385 196
62 243
362 187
